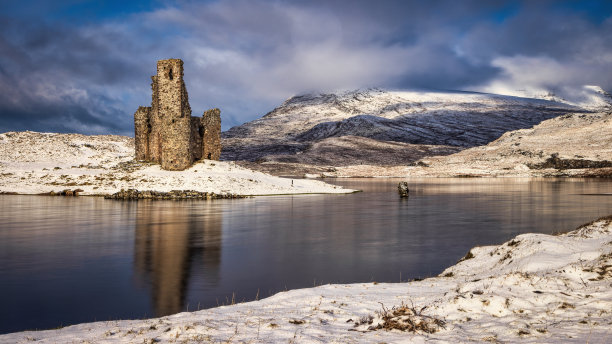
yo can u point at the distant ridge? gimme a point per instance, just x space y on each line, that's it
448 118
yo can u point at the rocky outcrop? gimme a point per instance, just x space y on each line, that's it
133 194
66 192
568 164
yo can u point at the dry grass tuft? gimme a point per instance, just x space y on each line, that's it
407 319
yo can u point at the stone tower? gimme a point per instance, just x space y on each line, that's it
211 141
174 114
142 132
165 132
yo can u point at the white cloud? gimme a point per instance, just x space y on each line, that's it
537 76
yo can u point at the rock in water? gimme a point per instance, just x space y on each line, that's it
402 188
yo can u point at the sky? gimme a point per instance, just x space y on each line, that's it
85 66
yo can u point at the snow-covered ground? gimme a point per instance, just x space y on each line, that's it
535 288
32 163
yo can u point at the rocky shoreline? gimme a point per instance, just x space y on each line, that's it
133 194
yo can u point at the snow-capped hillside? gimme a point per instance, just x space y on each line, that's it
577 144
460 119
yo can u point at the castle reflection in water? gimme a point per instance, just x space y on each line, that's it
169 243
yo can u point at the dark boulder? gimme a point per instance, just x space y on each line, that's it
402 189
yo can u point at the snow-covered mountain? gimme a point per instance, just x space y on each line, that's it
458 119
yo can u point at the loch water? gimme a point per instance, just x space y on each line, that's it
67 260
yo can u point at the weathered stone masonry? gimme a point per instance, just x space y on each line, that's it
165 132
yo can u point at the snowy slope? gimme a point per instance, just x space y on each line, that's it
534 288
462 119
578 144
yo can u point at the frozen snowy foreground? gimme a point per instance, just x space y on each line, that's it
32 163
534 288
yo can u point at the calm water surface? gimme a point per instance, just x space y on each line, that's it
71 260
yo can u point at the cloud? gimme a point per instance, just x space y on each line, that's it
246 57
542 50
531 75
54 77
268 51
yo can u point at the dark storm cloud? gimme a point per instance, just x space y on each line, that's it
53 77
61 72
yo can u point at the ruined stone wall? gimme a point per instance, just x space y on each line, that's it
196 138
211 140
166 133
175 115
142 127
155 141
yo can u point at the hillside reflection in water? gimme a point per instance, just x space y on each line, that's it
70 260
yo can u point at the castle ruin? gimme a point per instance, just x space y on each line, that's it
165 132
